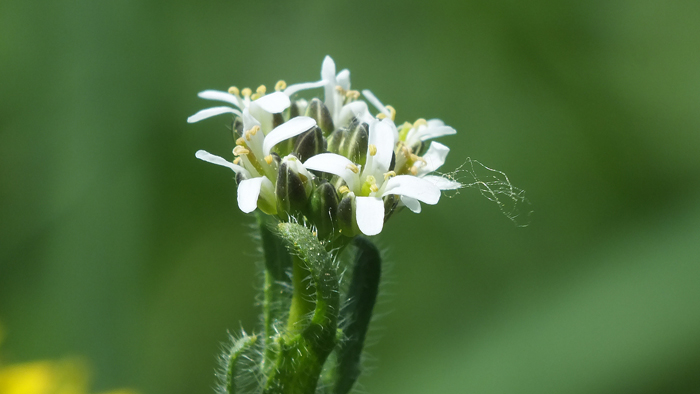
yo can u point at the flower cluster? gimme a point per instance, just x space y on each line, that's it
331 162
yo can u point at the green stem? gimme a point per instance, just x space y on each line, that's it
302 297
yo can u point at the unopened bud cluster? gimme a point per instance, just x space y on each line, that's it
329 162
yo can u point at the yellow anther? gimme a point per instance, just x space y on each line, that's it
392 111
261 90
352 168
343 189
420 122
240 141
246 92
254 130
406 151
417 158
247 135
239 150
280 85
372 149
414 170
389 175
340 89
234 91
268 159
236 160
381 115
255 96
373 187
352 94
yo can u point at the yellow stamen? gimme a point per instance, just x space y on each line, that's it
268 159
381 115
372 149
420 122
280 85
352 94
374 188
414 170
392 111
233 90
418 158
246 92
239 150
247 135
236 160
389 175
352 168
255 96
254 130
261 90
406 151
340 90
343 189
240 141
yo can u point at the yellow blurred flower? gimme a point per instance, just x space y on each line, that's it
67 376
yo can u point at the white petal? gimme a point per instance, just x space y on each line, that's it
220 96
343 79
287 130
291 89
434 158
435 132
369 213
442 183
411 203
334 164
356 109
435 123
273 103
375 101
248 192
208 157
248 120
381 137
328 69
411 186
209 112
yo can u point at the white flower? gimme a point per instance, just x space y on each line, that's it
370 184
341 102
257 168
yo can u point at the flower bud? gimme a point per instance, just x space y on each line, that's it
237 128
309 144
293 187
277 119
319 112
323 209
297 108
354 143
346 215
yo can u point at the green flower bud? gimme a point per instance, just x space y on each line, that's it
309 144
391 202
346 216
354 143
237 128
323 209
319 112
297 108
277 119
335 139
292 188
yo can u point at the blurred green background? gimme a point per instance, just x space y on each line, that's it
118 245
